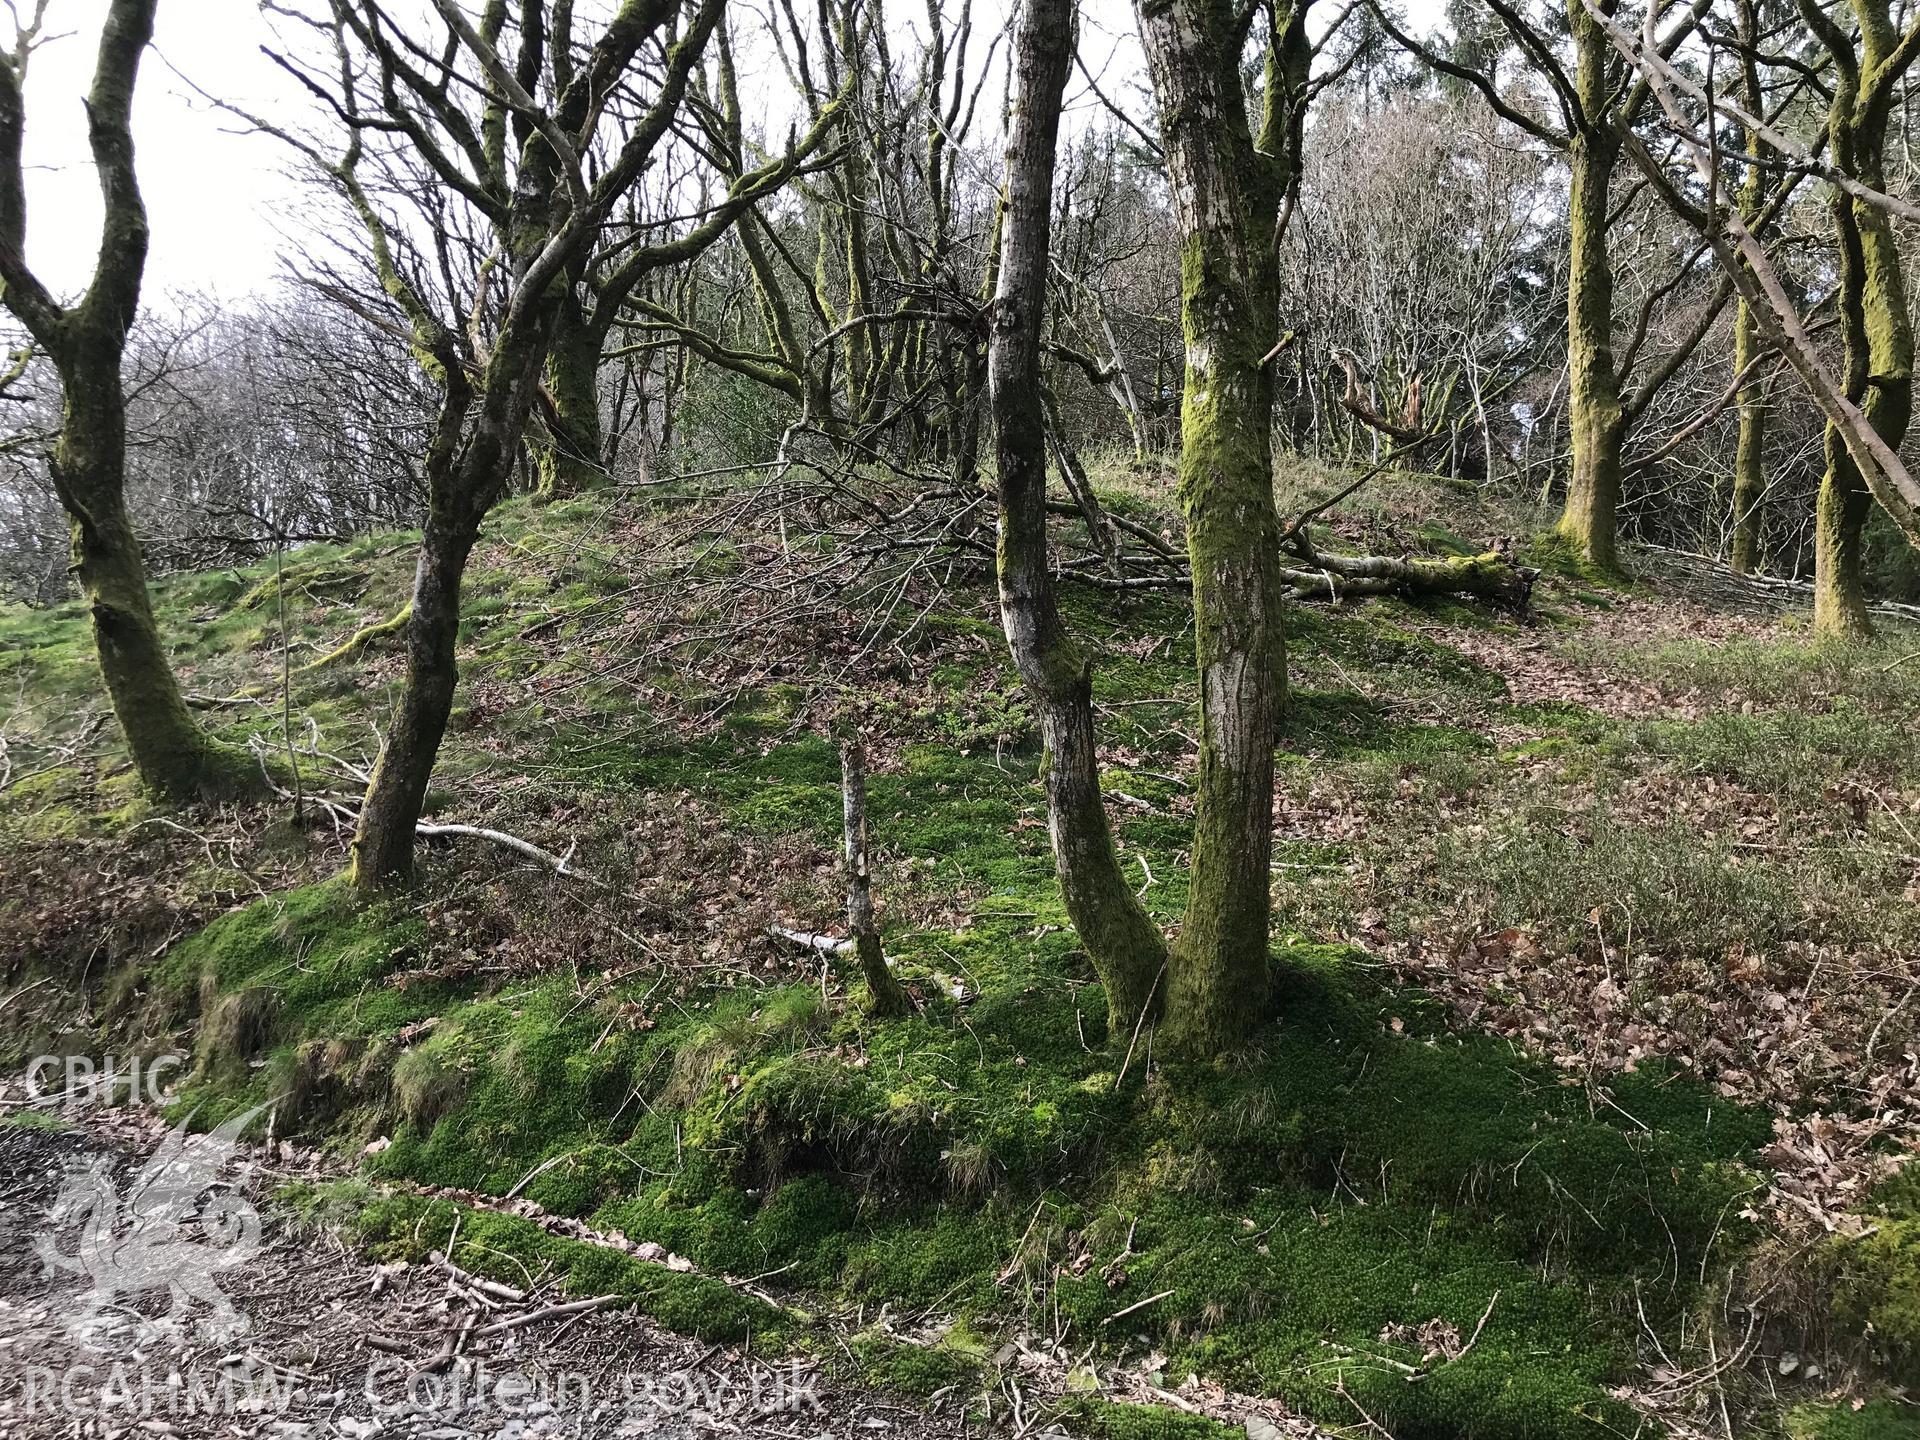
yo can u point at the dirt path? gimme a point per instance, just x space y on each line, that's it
336 1346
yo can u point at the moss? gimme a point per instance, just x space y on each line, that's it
1554 552
1438 539
1364 1169
1496 1171
1877 1280
430 1080
1118 1420
235 1024
922 1370
1875 1420
510 1249
35 1120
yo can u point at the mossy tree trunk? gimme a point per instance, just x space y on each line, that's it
1124 945
176 760
466 473
569 458
1876 327
383 841
1749 456
1589 518
1226 198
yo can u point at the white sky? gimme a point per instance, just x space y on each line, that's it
223 203
215 197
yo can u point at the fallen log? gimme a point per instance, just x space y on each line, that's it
1489 576
1309 573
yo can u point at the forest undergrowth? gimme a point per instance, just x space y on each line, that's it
1596 967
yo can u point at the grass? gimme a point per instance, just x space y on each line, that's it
1292 1225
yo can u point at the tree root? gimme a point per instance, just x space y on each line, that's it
345 650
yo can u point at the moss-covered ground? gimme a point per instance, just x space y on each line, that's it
1394 1213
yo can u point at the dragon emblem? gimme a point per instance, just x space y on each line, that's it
177 1229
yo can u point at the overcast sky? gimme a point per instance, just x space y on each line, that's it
215 197
223 203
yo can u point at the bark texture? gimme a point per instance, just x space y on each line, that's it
1876 328
1595 415
1749 458
1125 946
570 461
467 471
1226 199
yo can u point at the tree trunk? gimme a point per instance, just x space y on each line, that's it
1595 417
1749 456
464 479
1225 203
383 842
176 760
1878 335
885 994
1124 945
570 460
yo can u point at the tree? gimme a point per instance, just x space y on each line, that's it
867 298
600 284
1749 460
1597 105
1227 192
86 343
1125 945
1413 260
1876 325
1855 427
518 164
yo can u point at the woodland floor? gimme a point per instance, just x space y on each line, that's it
304 1369
1597 945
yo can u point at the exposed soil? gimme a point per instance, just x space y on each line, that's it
339 1346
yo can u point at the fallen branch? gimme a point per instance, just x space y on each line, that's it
493 1288
1489 575
1137 1305
560 864
814 940
345 650
548 1312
